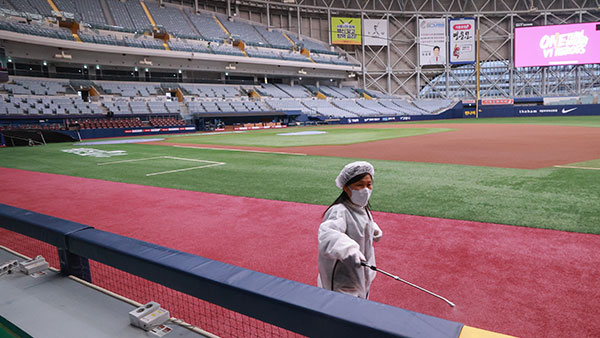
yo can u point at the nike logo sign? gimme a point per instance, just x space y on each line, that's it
564 111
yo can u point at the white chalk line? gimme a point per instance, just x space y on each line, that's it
243 150
211 164
190 159
185 169
574 167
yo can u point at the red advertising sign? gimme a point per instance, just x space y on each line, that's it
488 102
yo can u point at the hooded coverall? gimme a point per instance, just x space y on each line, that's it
346 229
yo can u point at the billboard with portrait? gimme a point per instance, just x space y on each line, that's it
432 42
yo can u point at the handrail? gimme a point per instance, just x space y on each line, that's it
294 306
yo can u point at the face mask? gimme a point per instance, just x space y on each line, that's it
361 197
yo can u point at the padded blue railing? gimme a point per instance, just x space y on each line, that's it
297 307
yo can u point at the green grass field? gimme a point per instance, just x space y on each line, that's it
333 136
552 198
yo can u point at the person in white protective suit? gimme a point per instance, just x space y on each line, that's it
347 233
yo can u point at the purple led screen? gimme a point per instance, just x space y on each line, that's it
571 44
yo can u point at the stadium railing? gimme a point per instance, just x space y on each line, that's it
220 298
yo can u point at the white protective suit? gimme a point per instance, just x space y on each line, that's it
346 228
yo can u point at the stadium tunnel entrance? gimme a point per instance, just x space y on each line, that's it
32 137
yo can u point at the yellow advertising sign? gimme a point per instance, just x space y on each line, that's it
345 31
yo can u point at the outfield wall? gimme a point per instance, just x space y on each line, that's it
468 111
85 134
510 110
452 113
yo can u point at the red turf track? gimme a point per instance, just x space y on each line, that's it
494 145
520 281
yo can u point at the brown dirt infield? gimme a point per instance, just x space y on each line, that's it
494 145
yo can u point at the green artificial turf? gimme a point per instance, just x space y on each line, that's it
333 136
595 164
553 198
9 330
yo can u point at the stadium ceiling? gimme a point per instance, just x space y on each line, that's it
395 69
408 6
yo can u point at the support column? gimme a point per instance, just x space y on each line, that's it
329 25
511 65
299 20
268 16
389 57
362 45
71 264
418 77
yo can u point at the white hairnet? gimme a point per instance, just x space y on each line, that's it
353 169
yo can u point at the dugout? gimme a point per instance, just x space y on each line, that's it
210 121
32 137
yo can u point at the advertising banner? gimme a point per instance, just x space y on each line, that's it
490 102
571 44
432 42
462 40
345 31
375 32
516 111
448 114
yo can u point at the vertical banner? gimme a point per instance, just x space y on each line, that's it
375 32
462 40
432 42
345 31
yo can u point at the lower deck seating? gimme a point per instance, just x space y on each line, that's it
104 123
38 126
166 122
46 106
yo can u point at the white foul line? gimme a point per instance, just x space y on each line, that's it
212 163
190 159
243 150
574 167
185 169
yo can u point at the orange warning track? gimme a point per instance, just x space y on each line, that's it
493 145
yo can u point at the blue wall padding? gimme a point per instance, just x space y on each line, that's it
298 307
531 111
117 132
45 228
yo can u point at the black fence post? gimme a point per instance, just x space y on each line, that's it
71 264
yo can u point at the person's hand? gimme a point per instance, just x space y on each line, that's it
357 257
377 235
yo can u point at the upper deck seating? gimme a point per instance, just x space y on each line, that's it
172 19
207 26
89 11
324 107
294 91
